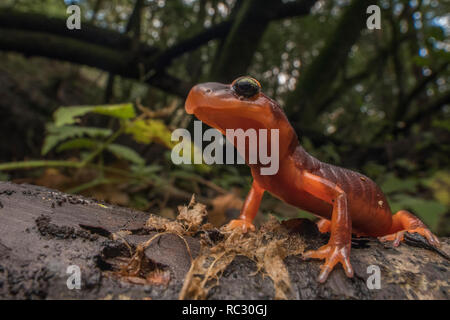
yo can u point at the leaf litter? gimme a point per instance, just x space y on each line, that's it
267 247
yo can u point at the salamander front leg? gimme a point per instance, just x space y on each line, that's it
338 247
249 210
324 225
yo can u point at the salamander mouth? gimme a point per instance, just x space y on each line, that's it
190 107
223 119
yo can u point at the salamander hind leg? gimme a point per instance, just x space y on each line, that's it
404 221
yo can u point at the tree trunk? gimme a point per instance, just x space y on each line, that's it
43 232
318 78
253 17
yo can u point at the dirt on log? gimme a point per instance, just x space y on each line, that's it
127 254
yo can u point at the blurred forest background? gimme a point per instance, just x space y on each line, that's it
377 101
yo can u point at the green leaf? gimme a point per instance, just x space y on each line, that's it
68 115
58 134
125 153
121 111
150 130
78 143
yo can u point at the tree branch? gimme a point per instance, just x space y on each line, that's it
67 49
10 19
110 50
291 9
242 40
165 57
134 22
221 30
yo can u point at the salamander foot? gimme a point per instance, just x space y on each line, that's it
241 224
404 221
399 236
332 255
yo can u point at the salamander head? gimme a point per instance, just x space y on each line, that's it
240 104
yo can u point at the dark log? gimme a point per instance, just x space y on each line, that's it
42 232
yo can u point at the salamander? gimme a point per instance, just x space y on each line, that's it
345 201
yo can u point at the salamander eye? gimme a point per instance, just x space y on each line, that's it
246 86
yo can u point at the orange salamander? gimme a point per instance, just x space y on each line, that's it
345 200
